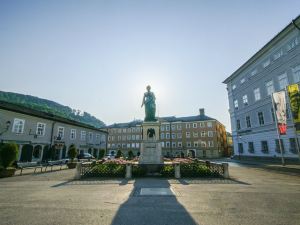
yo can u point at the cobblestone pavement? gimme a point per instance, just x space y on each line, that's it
251 196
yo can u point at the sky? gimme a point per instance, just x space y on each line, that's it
99 56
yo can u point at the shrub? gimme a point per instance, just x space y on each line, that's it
8 154
107 170
130 155
119 154
195 170
72 152
167 171
138 171
101 153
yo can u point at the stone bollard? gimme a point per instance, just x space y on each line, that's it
177 171
78 171
128 171
226 170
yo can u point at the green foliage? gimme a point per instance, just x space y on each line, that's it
8 154
72 152
130 155
101 153
167 171
195 170
138 171
50 107
119 154
107 170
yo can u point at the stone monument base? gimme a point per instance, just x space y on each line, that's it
151 153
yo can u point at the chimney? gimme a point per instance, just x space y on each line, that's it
201 111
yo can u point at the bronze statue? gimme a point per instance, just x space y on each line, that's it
150 107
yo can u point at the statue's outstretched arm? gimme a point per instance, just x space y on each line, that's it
143 102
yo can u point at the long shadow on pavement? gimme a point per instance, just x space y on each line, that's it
152 209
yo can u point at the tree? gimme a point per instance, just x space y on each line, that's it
130 154
8 154
101 153
119 154
72 152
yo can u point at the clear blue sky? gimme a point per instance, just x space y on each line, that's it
98 56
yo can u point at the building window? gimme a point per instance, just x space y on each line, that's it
293 145
202 133
167 144
233 87
179 144
162 136
245 100
167 135
97 136
179 135
256 94
83 135
119 138
196 144
167 127
264 147
195 134
133 137
292 44
60 132
188 126
261 120
188 144
73 134
272 113
209 124
18 126
283 81
133 130
210 133
240 148
278 54
162 128
254 72
124 130
90 136
173 144
243 80
296 73
123 145
194 125
203 144
188 134
162 144
238 124
202 124
250 147
132 145
178 126
210 144
128 145
266 63
236 104
128 137
129 130
173 127
277 146
40 129
270 87
248 121
137 145
173 136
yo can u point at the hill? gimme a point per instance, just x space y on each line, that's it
52 107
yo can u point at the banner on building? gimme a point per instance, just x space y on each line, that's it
294 96
280 111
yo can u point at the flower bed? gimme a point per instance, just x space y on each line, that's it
107 169
196 170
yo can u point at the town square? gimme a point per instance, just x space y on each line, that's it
149 112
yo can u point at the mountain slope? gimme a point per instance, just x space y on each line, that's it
52 107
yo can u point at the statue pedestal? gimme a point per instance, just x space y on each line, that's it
150 147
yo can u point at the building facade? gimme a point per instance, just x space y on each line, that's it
271 69
195 136
41 136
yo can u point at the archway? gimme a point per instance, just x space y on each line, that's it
191 153
46 153
26 155
37 151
